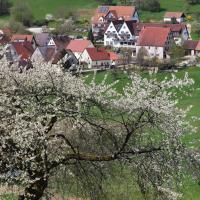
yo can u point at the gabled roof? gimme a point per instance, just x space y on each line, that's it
98 54
174 14
17 37
119 23
23 49
174 27
61 41
192 45
126 12
42 39
113 12
153 36
47 52
78 45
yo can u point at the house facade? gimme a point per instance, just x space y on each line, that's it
24 38
155 41
107 14
174 17
192 47
95 57
77 46
120 34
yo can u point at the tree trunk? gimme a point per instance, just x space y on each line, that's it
34 191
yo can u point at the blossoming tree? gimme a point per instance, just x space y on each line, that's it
141 127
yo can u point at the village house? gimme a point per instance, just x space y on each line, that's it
77 46
24 38
121 34
95 57
179 31
51 55
192 47
174 17
106 14
156 41
115 59
5 36
18 51
42 39
59 41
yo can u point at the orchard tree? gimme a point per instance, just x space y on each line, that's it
21 12
141 128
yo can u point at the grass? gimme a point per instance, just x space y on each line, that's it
42 7
191 190
169 5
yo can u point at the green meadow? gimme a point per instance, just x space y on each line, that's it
119 186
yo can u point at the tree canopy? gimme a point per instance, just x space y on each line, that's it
140 128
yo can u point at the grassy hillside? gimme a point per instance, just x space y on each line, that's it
41 7
169 5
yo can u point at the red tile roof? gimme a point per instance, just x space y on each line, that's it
174 14
98 54
126 12
78 45
17 37
23 49
173 27
153 36
113 56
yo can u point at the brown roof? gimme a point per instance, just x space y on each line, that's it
174 27
42 39
126 12
17 37
23 49
61 41
153 36
174 14
192 45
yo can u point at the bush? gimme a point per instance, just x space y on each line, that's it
193 1
21 12
148 5
41 22
17 27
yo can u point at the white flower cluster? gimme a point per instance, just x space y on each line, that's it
33 102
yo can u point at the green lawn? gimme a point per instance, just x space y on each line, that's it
191 190
169 5
42 7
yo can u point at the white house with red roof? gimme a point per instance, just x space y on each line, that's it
106 14
120 34
172 17
77 46
99 57
156 41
